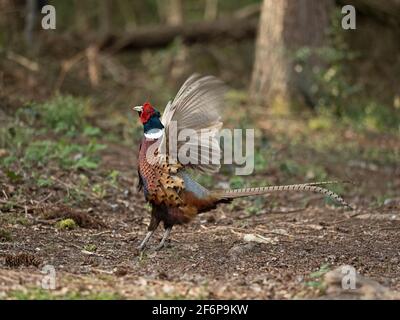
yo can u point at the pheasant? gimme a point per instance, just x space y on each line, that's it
174 196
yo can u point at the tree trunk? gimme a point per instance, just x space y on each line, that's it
286 26
104 16
80 18
175 17
30 20
211 10
174 14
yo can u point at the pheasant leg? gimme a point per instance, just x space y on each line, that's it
164 238
145 240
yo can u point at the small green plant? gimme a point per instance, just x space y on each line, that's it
13 176
99 190
75 196
90 131
5 236
236 182
66 224
255 207
90 247
85 163
63 114
44 182
320 123
320 272
64 153
113 177
260 161
251 210
15 218
147 207
39 152
290 167
316 173
316 277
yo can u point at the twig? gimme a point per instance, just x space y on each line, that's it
66 66
23 61
89 253
5 194
288 211
389 228
45 198
101 233
102 271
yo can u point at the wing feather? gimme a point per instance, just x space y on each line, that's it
197 107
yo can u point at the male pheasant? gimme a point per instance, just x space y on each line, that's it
174 196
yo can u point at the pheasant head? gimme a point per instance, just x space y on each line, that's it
150 118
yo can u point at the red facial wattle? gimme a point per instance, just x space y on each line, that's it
147 112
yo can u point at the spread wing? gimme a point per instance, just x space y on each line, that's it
195 113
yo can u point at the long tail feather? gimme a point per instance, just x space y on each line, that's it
312 187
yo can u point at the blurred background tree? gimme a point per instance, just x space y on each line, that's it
285 27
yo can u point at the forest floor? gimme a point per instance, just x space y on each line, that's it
302 236
68 199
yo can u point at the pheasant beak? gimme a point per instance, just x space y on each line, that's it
138 108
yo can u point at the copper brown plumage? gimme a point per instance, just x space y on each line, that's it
175 197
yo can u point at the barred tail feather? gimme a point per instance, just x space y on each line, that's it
312 187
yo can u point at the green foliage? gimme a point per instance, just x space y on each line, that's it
147 207
378 155
99 190
320 123
260 161
5 236
237 97
113 177
329 86
375 117
39 152
67 155
256 206
14 218
90 247
236 182
66 224
316 173
15 135
13 176
290 167
90 131
44 182
64 114
320 272
316 277
332 91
